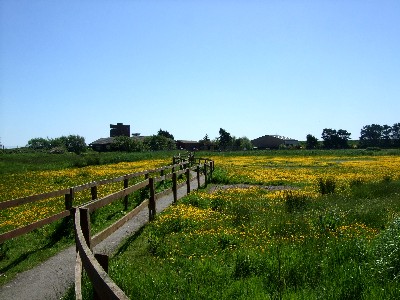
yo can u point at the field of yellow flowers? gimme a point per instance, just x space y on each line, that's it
278 237
300 171
303 171
19 185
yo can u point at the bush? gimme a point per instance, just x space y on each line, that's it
326 186
295 202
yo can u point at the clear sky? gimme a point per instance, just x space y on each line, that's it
287 67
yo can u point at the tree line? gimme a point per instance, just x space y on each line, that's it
374 135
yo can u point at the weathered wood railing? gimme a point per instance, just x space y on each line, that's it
96 265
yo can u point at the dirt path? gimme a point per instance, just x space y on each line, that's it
51 279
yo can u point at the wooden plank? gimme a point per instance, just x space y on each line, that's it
78 277
85 186
110 180
137 174
28 228
102 283
98 238
96 204
88 185
33 198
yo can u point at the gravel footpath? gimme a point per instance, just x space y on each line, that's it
51 279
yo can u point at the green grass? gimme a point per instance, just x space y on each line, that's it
11 162
334 247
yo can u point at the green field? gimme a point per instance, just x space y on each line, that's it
307 225
333 238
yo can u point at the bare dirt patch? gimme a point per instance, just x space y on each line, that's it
215 188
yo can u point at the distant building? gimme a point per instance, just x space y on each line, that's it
120 130
187 145
273 142
104 144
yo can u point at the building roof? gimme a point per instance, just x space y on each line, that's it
187 142
103 141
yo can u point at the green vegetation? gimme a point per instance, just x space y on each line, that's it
243 244
240 243
25 161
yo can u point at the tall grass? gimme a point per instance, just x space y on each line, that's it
254 244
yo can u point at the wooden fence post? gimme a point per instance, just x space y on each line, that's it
126 198
93 191
69 198
174 189
85 225
152 200
188 180
103 261
162 174
205 174
198 176
211 169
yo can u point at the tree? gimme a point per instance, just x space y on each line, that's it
386 133
71 143
75 143
371 135
225 139
39 143
242 143
335 139
159 142
311 142
395 135
127 144
342 138
165 134
205 143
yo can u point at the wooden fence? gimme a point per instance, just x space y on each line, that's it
69 195
96 265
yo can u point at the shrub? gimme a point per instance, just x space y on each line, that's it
326 185
295 202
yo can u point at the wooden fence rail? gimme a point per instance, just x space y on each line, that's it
96 265
69 195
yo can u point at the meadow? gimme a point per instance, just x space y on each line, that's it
317 226
306 225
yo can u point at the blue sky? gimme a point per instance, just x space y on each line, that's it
191 67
